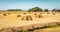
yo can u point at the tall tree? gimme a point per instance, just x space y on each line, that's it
35 9
46 10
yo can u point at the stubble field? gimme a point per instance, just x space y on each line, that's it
29 20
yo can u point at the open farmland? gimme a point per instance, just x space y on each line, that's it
27 20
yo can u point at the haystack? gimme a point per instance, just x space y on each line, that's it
39 16
24 13
4 14
8 13
18 15
27 18
53 13
35 14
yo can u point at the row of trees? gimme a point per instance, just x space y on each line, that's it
35 9
14 10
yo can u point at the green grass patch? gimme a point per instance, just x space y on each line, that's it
54 25
24 30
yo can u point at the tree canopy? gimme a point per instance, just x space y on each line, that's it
35 9
46 10
56 10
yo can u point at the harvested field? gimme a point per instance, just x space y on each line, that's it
28 20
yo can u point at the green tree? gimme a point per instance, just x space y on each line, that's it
56 10
46 10
14 10
30 10
35 9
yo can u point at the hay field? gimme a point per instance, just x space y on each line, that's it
10 19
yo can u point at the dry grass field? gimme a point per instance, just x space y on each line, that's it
28 20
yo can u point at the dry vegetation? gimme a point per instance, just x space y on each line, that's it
32 21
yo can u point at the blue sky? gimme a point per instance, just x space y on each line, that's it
27 4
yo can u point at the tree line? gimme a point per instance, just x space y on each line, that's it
35 9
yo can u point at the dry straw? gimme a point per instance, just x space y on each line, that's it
27 18
18 15
4 14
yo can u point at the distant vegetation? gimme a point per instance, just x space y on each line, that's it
14 10
46 10
36 9
56 10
